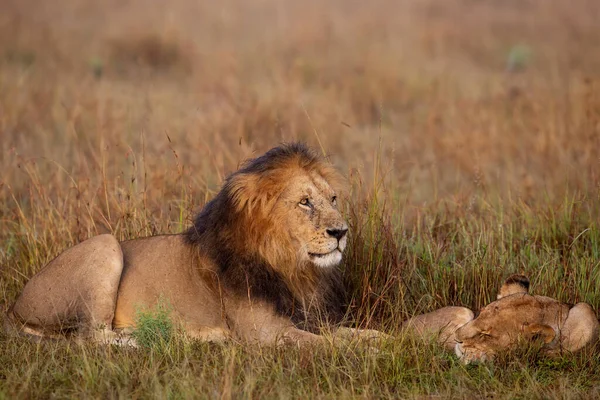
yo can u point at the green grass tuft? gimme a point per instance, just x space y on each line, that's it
154 327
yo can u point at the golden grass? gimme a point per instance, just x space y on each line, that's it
469 131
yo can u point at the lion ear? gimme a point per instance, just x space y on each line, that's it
247 191
514 284
539 331
337 182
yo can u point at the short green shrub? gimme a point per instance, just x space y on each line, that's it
154 327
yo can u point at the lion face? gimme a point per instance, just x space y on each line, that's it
318 230
283 211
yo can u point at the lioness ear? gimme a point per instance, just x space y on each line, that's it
539 331
514 284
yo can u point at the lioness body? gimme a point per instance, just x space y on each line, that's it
258 264
515 317
518 316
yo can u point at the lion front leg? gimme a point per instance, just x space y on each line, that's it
339 337
363 335
75 293
441 324
257 322
299 337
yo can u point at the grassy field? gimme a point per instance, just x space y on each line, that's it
469 132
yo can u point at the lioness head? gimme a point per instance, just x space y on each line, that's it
516 316
281 207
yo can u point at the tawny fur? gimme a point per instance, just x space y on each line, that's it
518 317
515 318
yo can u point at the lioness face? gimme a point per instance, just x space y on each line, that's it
501 325
309 206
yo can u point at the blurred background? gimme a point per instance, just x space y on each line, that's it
111 107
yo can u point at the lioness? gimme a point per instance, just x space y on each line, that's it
517 316
258 264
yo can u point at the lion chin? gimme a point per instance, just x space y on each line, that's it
327 260
330 259
258 264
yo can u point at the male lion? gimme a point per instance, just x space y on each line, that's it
258 264
518 316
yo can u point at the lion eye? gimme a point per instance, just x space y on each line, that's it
334 200
305 202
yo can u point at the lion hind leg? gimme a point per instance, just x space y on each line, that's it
76 292
13 327
580 329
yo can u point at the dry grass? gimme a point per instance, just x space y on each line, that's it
469 131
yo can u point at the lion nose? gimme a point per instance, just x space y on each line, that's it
337 233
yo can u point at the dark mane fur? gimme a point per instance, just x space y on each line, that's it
244 273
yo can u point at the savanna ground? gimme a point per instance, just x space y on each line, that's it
469 131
